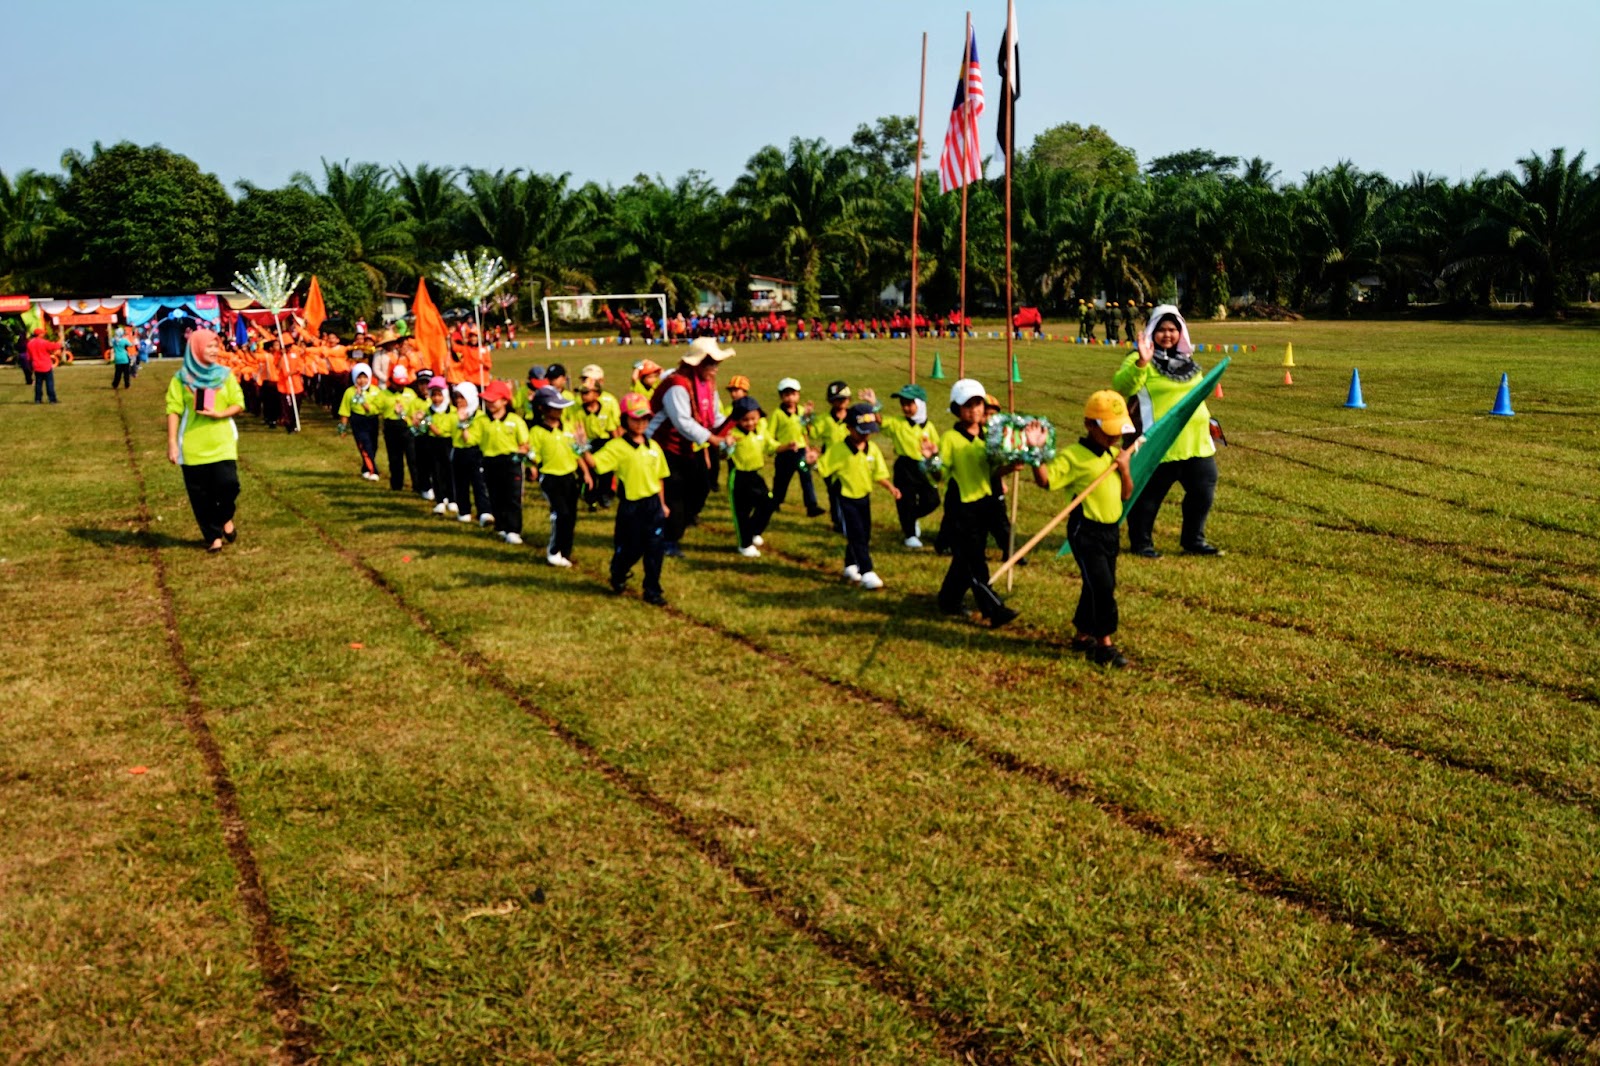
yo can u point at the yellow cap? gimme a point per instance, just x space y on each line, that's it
1110 410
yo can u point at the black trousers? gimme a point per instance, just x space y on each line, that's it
687 489
639 534
402 449
604 489
213 491
835 512
467 466
967 527
364 428
785 466
503 475
752 504
122 375
562 492
918 497
434 457
1094 546
1198 476
856 514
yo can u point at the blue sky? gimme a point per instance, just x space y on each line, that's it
607 89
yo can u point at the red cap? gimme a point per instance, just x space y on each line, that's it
497 390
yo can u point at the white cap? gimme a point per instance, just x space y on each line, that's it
785 384
964 391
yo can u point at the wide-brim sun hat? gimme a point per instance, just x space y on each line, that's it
703 348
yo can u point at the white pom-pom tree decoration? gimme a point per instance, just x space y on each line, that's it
474 280
269 285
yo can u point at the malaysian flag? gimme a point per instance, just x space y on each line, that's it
961 162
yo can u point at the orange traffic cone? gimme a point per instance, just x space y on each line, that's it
1218 393
1288 378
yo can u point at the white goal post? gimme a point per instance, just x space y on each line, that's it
544 307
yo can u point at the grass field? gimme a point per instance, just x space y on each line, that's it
411 795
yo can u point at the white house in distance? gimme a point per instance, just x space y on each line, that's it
771 294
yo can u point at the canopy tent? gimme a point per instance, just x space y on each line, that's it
141 309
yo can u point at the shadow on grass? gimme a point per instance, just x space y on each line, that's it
101 537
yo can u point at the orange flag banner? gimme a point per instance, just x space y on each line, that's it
315 313
432 337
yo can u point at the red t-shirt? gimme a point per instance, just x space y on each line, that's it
39 353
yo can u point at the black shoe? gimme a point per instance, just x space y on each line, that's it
813 512
1146 552
1203 547
671 550
617 585
1084 644
1002 617
232 536
1108 655
655 599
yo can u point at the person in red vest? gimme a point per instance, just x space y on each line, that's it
686 419
41 357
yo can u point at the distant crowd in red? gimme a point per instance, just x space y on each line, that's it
775 326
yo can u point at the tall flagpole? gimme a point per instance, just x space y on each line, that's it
916 204
1011 364
961 337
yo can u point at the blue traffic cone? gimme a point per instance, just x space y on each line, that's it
1502 398
1354 399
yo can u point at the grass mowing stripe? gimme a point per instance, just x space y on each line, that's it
1544 488
283 994
1417 494
962 1038
1582 1002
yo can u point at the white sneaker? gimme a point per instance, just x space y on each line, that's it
500 534
557 560
369 475
913 542
439 508
452 507
750 552
513 538
758 540
916 529
853 573
428 495
486 519
464 518
871 581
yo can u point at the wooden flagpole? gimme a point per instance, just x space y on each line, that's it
916 201
1016 555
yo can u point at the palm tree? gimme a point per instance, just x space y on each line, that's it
544 232
665 238
365 198
806 205
432 202
1340 240
1544 222
30 217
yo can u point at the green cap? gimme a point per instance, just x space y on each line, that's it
911 392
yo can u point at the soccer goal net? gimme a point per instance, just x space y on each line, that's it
583 307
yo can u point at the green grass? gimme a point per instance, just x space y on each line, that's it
1344 806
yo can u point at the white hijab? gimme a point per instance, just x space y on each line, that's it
1185 345
470 391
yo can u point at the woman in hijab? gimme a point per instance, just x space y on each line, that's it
1153 379
202 400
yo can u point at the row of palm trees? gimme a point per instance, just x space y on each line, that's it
838 220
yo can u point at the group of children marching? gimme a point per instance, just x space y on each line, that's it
469 454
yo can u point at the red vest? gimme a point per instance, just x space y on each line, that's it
702 403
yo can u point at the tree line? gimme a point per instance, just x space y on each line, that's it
1196 227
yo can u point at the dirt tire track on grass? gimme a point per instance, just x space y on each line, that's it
1580 1010
964 1039
282 992
1539 783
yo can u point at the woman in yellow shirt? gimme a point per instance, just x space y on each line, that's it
202 400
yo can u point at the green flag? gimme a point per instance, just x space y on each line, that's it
1158 438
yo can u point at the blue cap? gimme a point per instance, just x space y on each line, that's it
744 405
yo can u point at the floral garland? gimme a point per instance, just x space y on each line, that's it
1007 444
